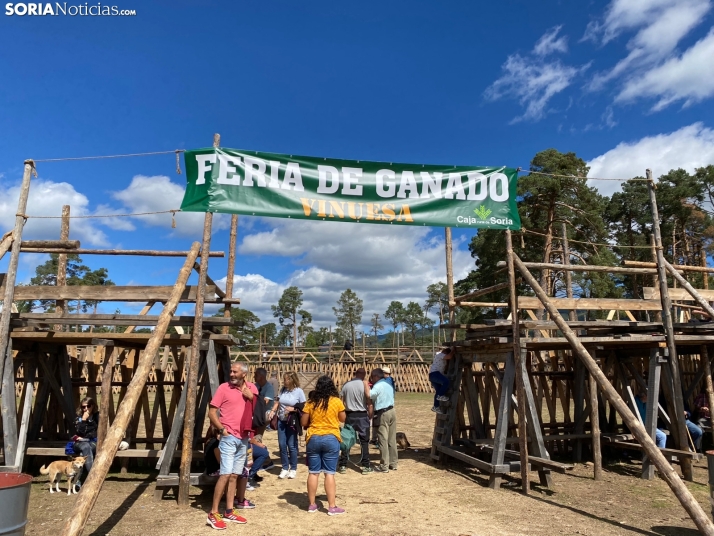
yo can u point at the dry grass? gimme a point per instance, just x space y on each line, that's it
420 498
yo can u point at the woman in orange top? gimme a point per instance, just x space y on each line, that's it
322 415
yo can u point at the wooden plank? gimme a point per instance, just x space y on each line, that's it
682 454
129 453
133 252
110 293
120 339
197 479
29 373
651 408
9 408
501 417
592 304
479 464
66 379
679 294
119 320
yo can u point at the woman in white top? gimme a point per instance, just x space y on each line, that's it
437 378
289 399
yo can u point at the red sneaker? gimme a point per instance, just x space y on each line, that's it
215 520
232 517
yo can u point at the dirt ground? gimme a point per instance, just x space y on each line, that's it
418 499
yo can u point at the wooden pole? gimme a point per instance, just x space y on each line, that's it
568 275
130 252
231 268
704 354
450 278
595 428
5 243
90 490
703 261
62 262
692 507
11 275
107 397
518 358
677 413
192 376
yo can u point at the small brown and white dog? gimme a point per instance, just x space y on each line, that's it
402 441
57 469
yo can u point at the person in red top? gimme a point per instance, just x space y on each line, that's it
234 400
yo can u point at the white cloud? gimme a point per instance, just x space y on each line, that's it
550 42
46 198
689 147
689 77
533 82
380 263
651 68
155 194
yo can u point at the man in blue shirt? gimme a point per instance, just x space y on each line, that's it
382 395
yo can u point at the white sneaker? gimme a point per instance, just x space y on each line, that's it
284 473
292 473
249 487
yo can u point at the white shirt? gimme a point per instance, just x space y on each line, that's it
439 364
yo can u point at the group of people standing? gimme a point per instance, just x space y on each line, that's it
241 411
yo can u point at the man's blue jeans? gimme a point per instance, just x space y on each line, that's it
696 434
260 455
287 440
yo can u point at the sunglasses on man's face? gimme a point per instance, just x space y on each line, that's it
85 407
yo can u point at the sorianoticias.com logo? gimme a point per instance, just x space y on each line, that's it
62 8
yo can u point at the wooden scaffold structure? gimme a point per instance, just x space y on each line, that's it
525 389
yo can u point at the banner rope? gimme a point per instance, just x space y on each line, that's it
636 179
173 212
177 151
554 237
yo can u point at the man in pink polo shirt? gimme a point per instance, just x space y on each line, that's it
234 399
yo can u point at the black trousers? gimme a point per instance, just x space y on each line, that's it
359 420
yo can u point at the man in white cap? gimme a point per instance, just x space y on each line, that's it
375 420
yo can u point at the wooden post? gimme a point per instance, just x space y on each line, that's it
595 428
29 373
679 426
11 275
90 490
231 268
704 353
520 393
192 377
9 409
652 406
692 507
107 397
703 262
450 279
62 263
568 275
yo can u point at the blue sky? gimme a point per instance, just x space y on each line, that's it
626 84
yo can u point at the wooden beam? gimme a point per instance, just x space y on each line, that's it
209 280
5 243
692 507
90 490
588 268
583 304
678 267
483 291
119 320
678 294
230 274
53 244
133 252
108 293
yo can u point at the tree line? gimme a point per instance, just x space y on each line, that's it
603 230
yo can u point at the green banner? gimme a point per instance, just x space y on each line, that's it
328 189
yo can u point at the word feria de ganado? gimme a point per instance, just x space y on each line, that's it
327 189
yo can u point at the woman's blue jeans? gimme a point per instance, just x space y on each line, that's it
288 442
